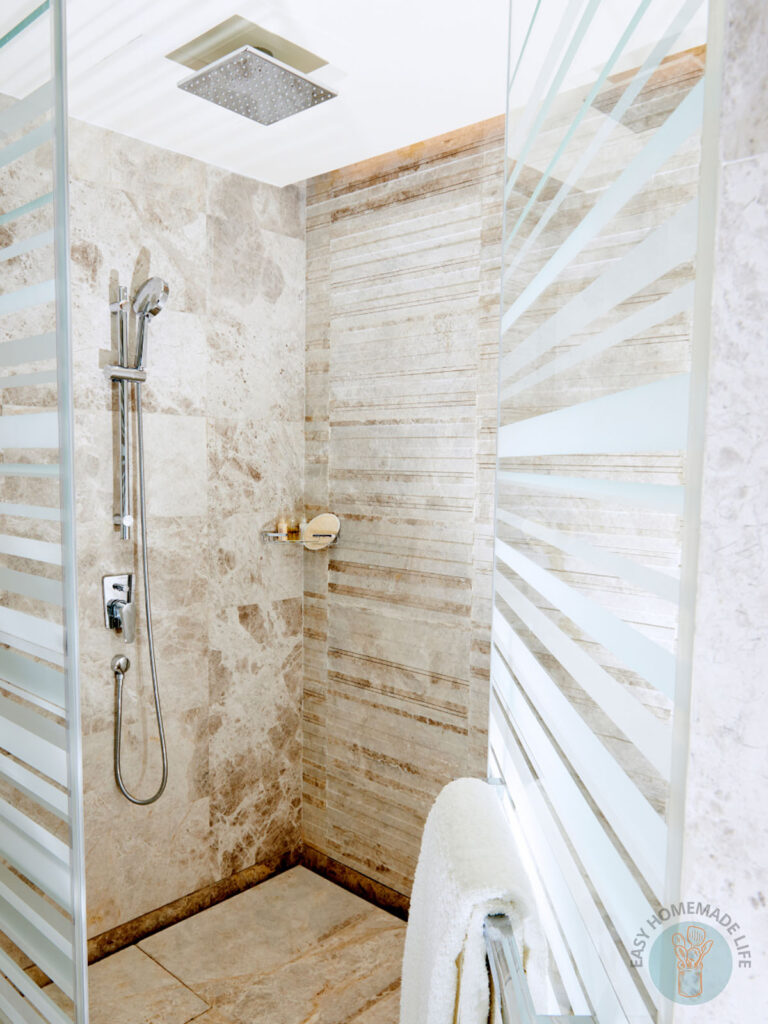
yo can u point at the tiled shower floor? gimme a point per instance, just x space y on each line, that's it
296 949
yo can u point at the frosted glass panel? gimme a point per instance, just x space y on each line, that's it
42 914
599 244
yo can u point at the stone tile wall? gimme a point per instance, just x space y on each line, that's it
402 335
224 407
725 822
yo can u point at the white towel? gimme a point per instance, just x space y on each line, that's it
468 867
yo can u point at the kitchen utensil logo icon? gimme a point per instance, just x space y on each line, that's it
690 963
690 953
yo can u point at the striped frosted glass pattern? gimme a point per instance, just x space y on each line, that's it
42 933
600 231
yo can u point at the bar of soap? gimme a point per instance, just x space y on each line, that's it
321 531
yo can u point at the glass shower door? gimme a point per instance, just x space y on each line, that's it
42 919
596 478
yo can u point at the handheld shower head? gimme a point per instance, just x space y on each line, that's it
150 299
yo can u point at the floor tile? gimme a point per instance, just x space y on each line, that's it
130 988
296 949
383 1011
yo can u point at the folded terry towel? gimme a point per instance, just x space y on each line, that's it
468 867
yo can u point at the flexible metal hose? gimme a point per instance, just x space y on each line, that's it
119 673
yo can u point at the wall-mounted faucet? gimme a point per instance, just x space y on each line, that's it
119 605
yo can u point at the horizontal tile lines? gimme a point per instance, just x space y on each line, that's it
404 807
370 311
391 709
342 215
479 137
373 858
415 274
385 369
416 483
398 237
392 764
442 408
420 230
397 667
400 599
372 258
387 814
407 171
451 330
407 293
403 475
389 817
401 765
397 705
411 431
387 389
397 347
456 401
467 167
410 575
394 373
437 263
460 174
392 776
410 503
375 520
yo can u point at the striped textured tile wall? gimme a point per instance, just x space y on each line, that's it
402 337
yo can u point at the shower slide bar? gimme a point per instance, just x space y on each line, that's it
123 519
513 1003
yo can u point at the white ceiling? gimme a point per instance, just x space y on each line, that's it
404 70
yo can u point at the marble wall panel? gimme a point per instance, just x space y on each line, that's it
402 335
224 452
725 824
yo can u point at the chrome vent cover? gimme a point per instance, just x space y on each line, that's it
256 85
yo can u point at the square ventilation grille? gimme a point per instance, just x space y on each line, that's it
256 85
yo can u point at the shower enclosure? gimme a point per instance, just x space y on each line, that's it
314 704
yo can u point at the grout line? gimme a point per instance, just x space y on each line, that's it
176 978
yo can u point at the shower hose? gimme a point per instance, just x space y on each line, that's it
120 673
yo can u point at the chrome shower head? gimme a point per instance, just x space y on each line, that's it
256 85
150 299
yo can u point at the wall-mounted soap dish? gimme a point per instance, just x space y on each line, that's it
319 533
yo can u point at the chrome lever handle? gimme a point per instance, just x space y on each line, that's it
122 618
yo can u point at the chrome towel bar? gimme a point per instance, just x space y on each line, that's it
512 1002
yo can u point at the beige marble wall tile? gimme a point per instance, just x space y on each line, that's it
242 455
247 201
224 453
176 464
255 368
257 276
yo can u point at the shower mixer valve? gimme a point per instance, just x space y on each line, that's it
119 605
